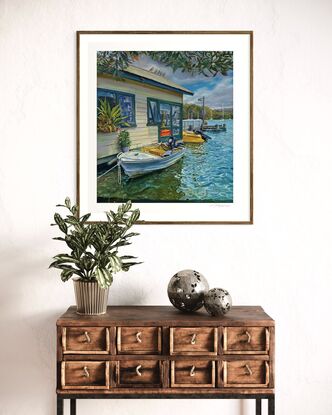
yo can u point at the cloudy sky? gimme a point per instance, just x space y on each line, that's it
217 90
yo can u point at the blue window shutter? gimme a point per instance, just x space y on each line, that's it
153 112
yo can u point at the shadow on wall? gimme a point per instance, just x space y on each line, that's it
28 312
32 297
126 291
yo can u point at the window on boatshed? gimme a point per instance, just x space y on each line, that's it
125 100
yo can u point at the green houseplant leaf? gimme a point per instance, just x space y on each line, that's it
93 247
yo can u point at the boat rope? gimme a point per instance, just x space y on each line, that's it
119 173
107 171
119 168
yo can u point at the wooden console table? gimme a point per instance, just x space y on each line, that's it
155 352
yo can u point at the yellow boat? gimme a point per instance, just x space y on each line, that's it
191 137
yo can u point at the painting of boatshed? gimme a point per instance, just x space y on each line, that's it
151 105
164 126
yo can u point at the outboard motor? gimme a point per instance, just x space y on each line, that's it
171 142
204 136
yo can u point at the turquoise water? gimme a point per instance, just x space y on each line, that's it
204 174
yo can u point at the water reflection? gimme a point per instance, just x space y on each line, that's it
204 174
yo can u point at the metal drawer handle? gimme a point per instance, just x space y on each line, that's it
137 370
86 334
192 371
249 371
86 372
249 336
138 337
193 339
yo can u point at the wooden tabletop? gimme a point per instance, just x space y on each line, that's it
166 315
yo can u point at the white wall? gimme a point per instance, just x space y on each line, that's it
282 262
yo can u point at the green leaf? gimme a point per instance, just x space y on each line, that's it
108 277
115 263
68 203
121 243
74 210
66 274
84 218
127 206
55 264
135 215
111 216
60 222
131 234
100 278
104 277
127 265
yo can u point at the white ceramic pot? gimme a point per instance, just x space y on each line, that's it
90 298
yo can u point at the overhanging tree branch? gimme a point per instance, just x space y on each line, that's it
207 63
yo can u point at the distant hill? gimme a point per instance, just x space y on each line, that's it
217 114
194 111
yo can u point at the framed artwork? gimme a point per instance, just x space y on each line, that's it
165 119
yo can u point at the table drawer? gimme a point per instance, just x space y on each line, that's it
193 340
246 340
85 340
192 373
139 340
84 375
138 373
246 373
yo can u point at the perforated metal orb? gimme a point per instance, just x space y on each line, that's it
217 301
186 290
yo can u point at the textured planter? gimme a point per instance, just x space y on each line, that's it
125 149
90 298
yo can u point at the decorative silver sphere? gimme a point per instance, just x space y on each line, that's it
217 301
186 290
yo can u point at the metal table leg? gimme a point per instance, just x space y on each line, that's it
258 406
73 407
258 401
271 405
59 405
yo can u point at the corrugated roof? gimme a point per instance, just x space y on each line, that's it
142 75
156 78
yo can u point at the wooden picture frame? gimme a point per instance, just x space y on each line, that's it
211 213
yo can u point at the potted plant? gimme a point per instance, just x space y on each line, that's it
124 140
109 119
93 256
